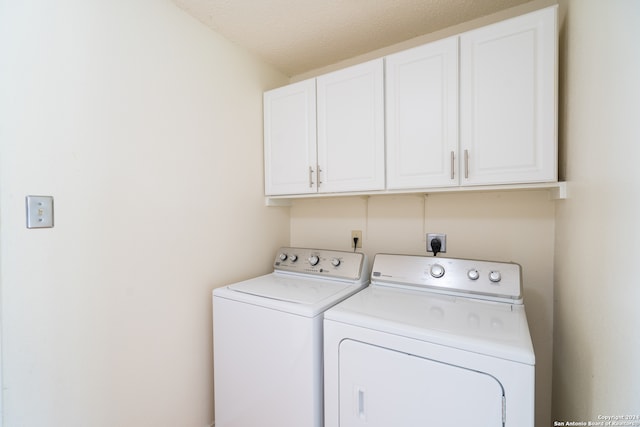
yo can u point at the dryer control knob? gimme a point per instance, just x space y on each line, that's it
283 257
293 258
335 262
495 276
437 270
473 274
314 260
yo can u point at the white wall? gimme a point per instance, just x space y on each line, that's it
597 343
503 226
146 127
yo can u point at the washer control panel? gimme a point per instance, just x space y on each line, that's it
498 281
335 264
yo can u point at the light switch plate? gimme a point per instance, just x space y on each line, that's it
39 211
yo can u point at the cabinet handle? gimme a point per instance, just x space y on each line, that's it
310 177
318 176
466 164
453 165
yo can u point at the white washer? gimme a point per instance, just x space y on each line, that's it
433 341
268 338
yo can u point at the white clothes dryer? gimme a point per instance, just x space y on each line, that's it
268 338
432 342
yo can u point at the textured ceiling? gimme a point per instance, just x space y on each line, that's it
297 36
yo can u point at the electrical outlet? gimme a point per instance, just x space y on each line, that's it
443 241
358 234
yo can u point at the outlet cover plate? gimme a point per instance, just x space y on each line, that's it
443 241
358 234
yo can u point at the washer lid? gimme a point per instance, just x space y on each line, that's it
290 293
485 327
290 289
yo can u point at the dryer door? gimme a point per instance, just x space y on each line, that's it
380 387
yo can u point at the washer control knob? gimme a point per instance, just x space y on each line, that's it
495 276
314 260
293 258
335 262
473 274
437 270
283 257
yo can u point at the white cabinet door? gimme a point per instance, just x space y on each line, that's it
351 128
422 116
290 139
508 130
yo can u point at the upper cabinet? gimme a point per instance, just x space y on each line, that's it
326 135
476 109
351 128
290 139
422 116
508 114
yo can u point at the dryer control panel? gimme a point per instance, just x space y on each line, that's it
323 262
490 280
